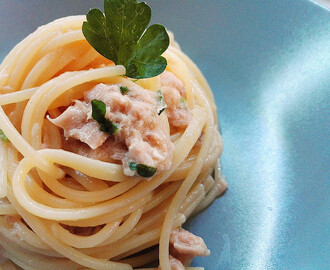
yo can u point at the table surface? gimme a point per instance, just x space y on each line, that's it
324 3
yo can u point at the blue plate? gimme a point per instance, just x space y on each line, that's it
268 63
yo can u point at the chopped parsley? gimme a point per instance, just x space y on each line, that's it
142 170
98 114
121 35
124 90
184 103
161 102
3 137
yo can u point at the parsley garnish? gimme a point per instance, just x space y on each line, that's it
124 90
3 137
184 103
161 102
121 36
141 169
132 165
98 114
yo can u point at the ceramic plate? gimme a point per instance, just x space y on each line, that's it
268 63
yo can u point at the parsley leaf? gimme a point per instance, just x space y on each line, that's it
124 90
121 36
141 169
3 137
98 114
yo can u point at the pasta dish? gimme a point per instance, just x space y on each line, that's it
99 170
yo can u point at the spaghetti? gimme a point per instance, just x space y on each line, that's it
61 209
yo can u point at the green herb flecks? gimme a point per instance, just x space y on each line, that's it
121 36
161 102
3 137
132 165
98 114
184 103
124 90
142 170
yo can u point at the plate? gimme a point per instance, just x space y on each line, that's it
268 63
